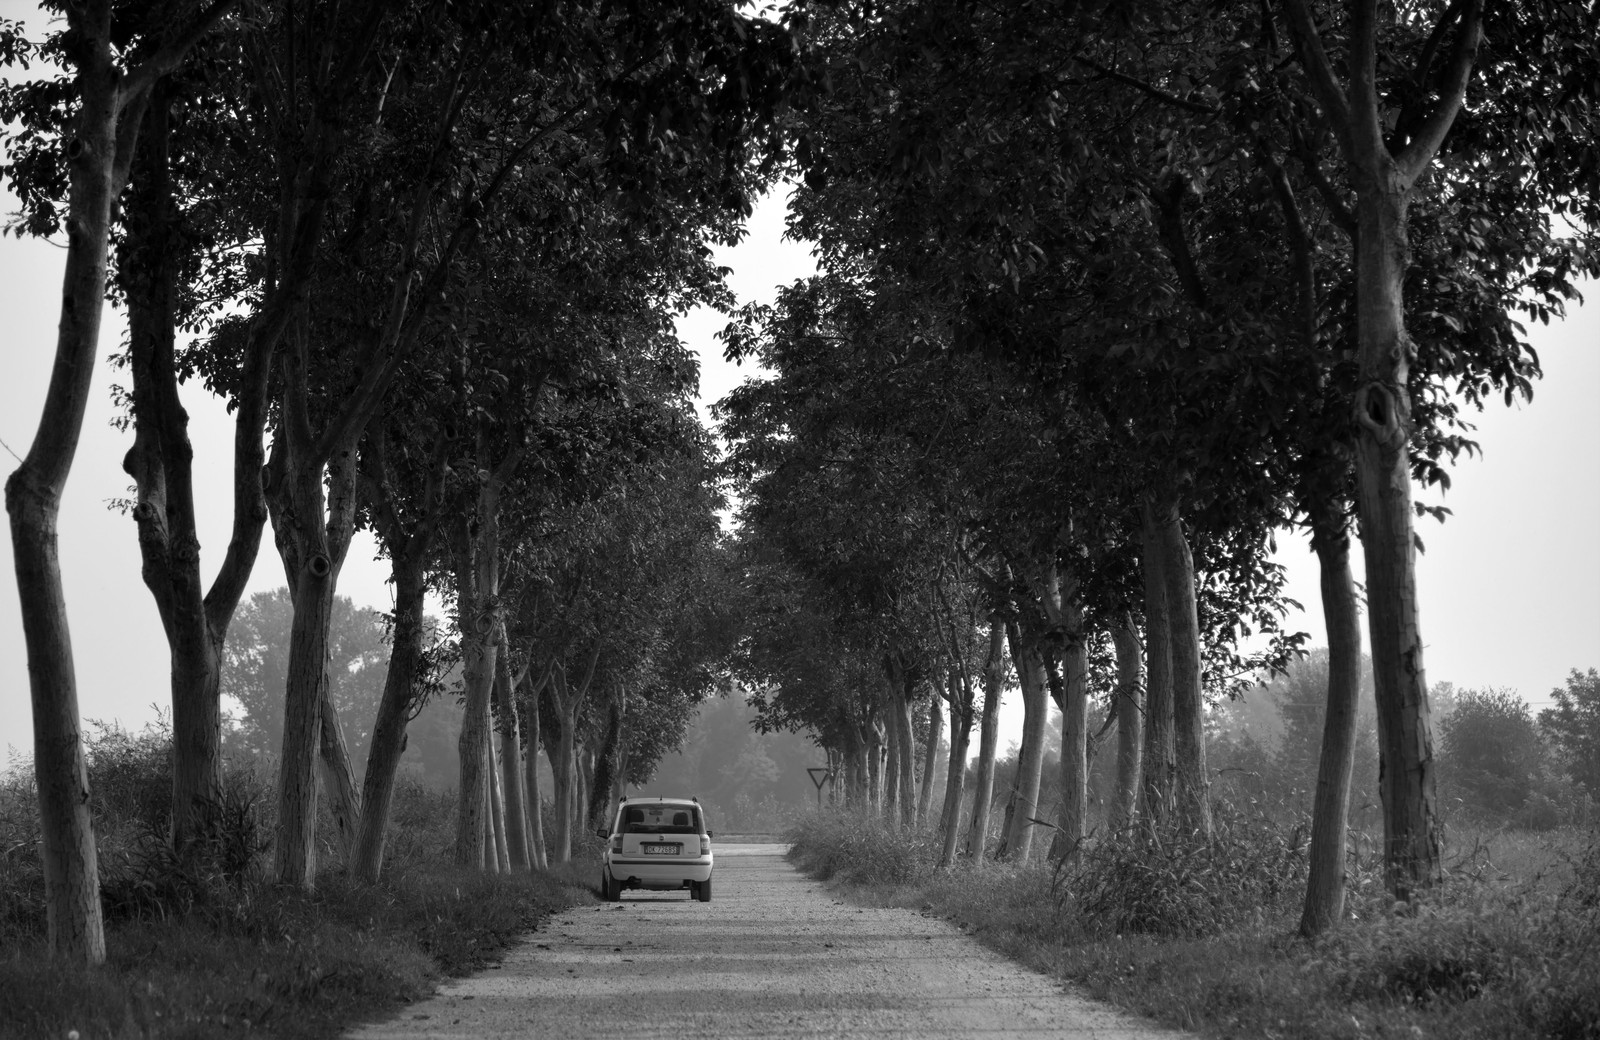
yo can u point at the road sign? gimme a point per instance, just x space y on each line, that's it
819 776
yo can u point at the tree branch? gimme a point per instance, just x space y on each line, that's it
142 76
1319 71
1150 89
1420 150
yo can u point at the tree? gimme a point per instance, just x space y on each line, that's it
256 659
1493 754
109 103
1573 726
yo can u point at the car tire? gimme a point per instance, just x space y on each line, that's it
610 887
702 891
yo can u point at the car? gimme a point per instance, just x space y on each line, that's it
659 843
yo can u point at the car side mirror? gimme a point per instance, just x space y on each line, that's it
603 833
710 835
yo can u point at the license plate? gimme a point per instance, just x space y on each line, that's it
661 850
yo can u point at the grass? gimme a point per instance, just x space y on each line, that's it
222 952
1203 938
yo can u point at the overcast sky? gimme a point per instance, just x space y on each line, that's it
1510 586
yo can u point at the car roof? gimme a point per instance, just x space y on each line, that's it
655 799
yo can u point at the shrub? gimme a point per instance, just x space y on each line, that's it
857 846
1145 882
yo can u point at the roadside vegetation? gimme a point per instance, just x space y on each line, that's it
213 948
1202 935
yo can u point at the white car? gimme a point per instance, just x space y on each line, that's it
657 843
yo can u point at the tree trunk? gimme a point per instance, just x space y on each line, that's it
307 688
33 501
1074 815
530 767
875 770
313 508
1130 723
1188 703
1160 758
1383 172
580 789
961 697
606 765
394 712
994 674
908 754
497 804
1325 887
516 816
563 767
339 780
1383 412
478 653
1024 805
930 757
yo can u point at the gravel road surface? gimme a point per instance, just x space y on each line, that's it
773 955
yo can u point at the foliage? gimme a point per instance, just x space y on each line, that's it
1573 726
1505 949
1491 756
1148 883
749 781
256 663
239 957
1266 743
857 846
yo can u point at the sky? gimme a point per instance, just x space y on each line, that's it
1510 585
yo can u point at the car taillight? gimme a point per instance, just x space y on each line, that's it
705 845
616 842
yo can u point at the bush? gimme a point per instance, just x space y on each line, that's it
857 846
1143 882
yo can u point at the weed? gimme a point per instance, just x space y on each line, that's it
1202 934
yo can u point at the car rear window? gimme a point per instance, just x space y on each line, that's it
660 819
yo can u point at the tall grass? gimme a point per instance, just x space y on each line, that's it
208 947
1201 934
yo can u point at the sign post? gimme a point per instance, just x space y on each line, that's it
819 776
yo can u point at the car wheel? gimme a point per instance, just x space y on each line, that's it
702 891
610 887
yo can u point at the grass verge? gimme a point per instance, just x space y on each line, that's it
1203 939
283 963
207 948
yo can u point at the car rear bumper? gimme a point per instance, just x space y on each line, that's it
651 871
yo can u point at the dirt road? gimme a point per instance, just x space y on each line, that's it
773 955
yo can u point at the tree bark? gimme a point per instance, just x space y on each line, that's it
1160 758
994 674
961 719
1325 888
606 764
295 860
1130 723
908 753
1073 827
563 769
1383 174
1188 702
930 758
566 705
480 627
1388 541
338 779
497 804
516 816
1024 804
33 502
530 766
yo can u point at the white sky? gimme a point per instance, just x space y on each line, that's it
1510 585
